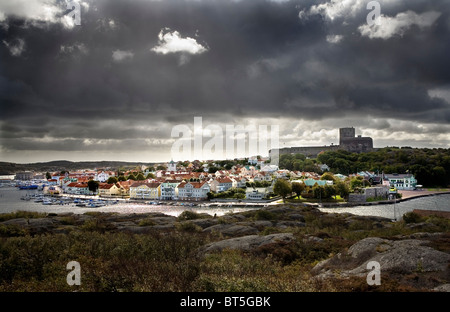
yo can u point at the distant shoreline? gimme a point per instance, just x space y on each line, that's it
409 195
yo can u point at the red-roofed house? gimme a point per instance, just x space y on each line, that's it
77 188
108 189
241 181
221 184
262 176
193 190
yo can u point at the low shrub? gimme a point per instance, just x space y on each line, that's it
146 222
188 227
68 220
97 225
188 215
109 261
412 217
265 215
21 214
12 230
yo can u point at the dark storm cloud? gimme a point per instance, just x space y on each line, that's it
260 59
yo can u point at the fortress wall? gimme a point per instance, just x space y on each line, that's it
308 151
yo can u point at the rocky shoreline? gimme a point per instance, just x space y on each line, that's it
334 247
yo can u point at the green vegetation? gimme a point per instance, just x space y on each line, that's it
65 166
191 215
412 217
158 262
298 162
265 215
112 180
258 184
358 182
140 176
93 185
21 214
431 167
298 188
337 191
236 193
283 188
169 260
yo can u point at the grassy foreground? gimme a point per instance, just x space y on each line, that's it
168 260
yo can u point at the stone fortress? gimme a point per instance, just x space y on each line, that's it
347 141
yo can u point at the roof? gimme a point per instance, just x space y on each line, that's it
194 184
105 186
312 182
148 184
171 182
77 184
398 175
125 183
224 180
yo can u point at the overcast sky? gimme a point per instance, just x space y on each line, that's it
114 87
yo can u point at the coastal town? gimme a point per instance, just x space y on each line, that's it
351 172
253 179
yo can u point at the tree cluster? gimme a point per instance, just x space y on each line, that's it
237 193
298 162
431 167
285 188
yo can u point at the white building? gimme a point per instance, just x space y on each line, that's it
221 184
269 168
169 190
256 193
77 188
401 181
193 190
102 177
172 166
25 175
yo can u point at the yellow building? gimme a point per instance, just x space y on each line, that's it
144 190
109 189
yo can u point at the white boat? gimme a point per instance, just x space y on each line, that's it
81 204
47 201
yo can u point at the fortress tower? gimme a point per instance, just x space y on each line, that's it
346 133
349 142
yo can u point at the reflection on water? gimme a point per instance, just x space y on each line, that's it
10 201
396 211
